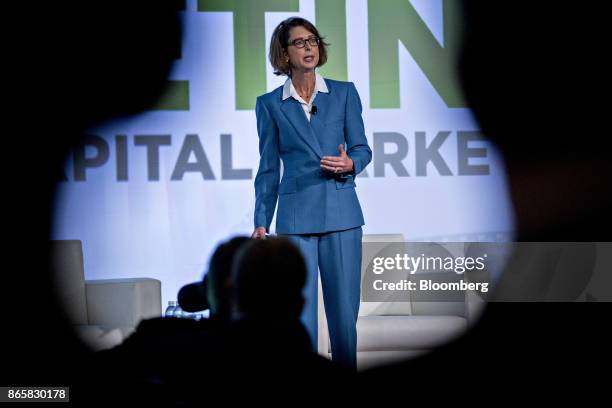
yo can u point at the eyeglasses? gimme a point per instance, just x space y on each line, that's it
301 43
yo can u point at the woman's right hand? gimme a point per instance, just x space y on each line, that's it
259 233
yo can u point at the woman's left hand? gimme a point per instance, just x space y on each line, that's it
337 164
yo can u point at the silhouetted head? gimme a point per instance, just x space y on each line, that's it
219 277
213 292
269 276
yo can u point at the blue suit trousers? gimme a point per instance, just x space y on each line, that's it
337 255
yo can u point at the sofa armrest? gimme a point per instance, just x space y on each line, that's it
122 302
474 307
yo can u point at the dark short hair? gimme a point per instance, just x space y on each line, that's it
280 39
218 288
269 276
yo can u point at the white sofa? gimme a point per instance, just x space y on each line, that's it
103 312
393 331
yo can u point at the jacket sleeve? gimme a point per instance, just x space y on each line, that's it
357 143
268 174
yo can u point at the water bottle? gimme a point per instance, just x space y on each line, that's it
171 309
178 312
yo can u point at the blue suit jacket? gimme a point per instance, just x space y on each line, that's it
310 200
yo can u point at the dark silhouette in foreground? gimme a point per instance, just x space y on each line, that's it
263 346
534 77
72 65
531 76
267 335
154 362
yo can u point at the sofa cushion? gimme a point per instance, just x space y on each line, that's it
377 333
371 359
122 302
99 338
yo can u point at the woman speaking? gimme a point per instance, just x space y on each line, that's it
307 122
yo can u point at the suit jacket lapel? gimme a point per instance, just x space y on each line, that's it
318 121
294 112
